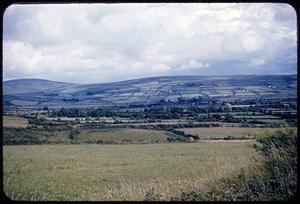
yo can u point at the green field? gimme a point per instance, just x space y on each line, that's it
117 172
124 134
221 132
107 136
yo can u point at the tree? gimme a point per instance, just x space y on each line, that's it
74 134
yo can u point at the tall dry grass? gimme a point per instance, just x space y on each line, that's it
117 172
272 177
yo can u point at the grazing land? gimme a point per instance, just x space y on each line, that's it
83 135
150 102
117 172
16 122
125 135
221 132
146 139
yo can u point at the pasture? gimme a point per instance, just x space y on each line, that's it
124 134
221 132
117 172
107 136
16 122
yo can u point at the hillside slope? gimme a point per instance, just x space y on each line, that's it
33 92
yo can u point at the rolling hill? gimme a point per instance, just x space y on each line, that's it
39 93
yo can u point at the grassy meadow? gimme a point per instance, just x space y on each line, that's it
15 122
124 134
107 136
117 172
221 132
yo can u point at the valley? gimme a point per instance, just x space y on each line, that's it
144 139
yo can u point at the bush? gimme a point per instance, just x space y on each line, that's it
22 136
272 178
228 137
170 139
74 134
196 137
279 150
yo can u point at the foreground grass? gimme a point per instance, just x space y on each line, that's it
117 172
272 178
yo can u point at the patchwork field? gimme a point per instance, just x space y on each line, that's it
117 172
146 90
221 132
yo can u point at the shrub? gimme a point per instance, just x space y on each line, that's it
228 137
170 139
273 177
151 195
74 134
196 137
279 150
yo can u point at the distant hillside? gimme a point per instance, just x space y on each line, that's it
25 86
38 92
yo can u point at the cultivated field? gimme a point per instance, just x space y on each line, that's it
12 121
147 90
117 172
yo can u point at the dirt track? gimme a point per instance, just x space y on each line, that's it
229 141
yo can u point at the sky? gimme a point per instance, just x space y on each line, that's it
96 43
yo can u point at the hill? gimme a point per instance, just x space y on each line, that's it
40 93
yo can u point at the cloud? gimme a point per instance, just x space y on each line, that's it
193 65
110 42
257 62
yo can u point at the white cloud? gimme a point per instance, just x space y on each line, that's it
256 62
253 41
193 65
108 42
